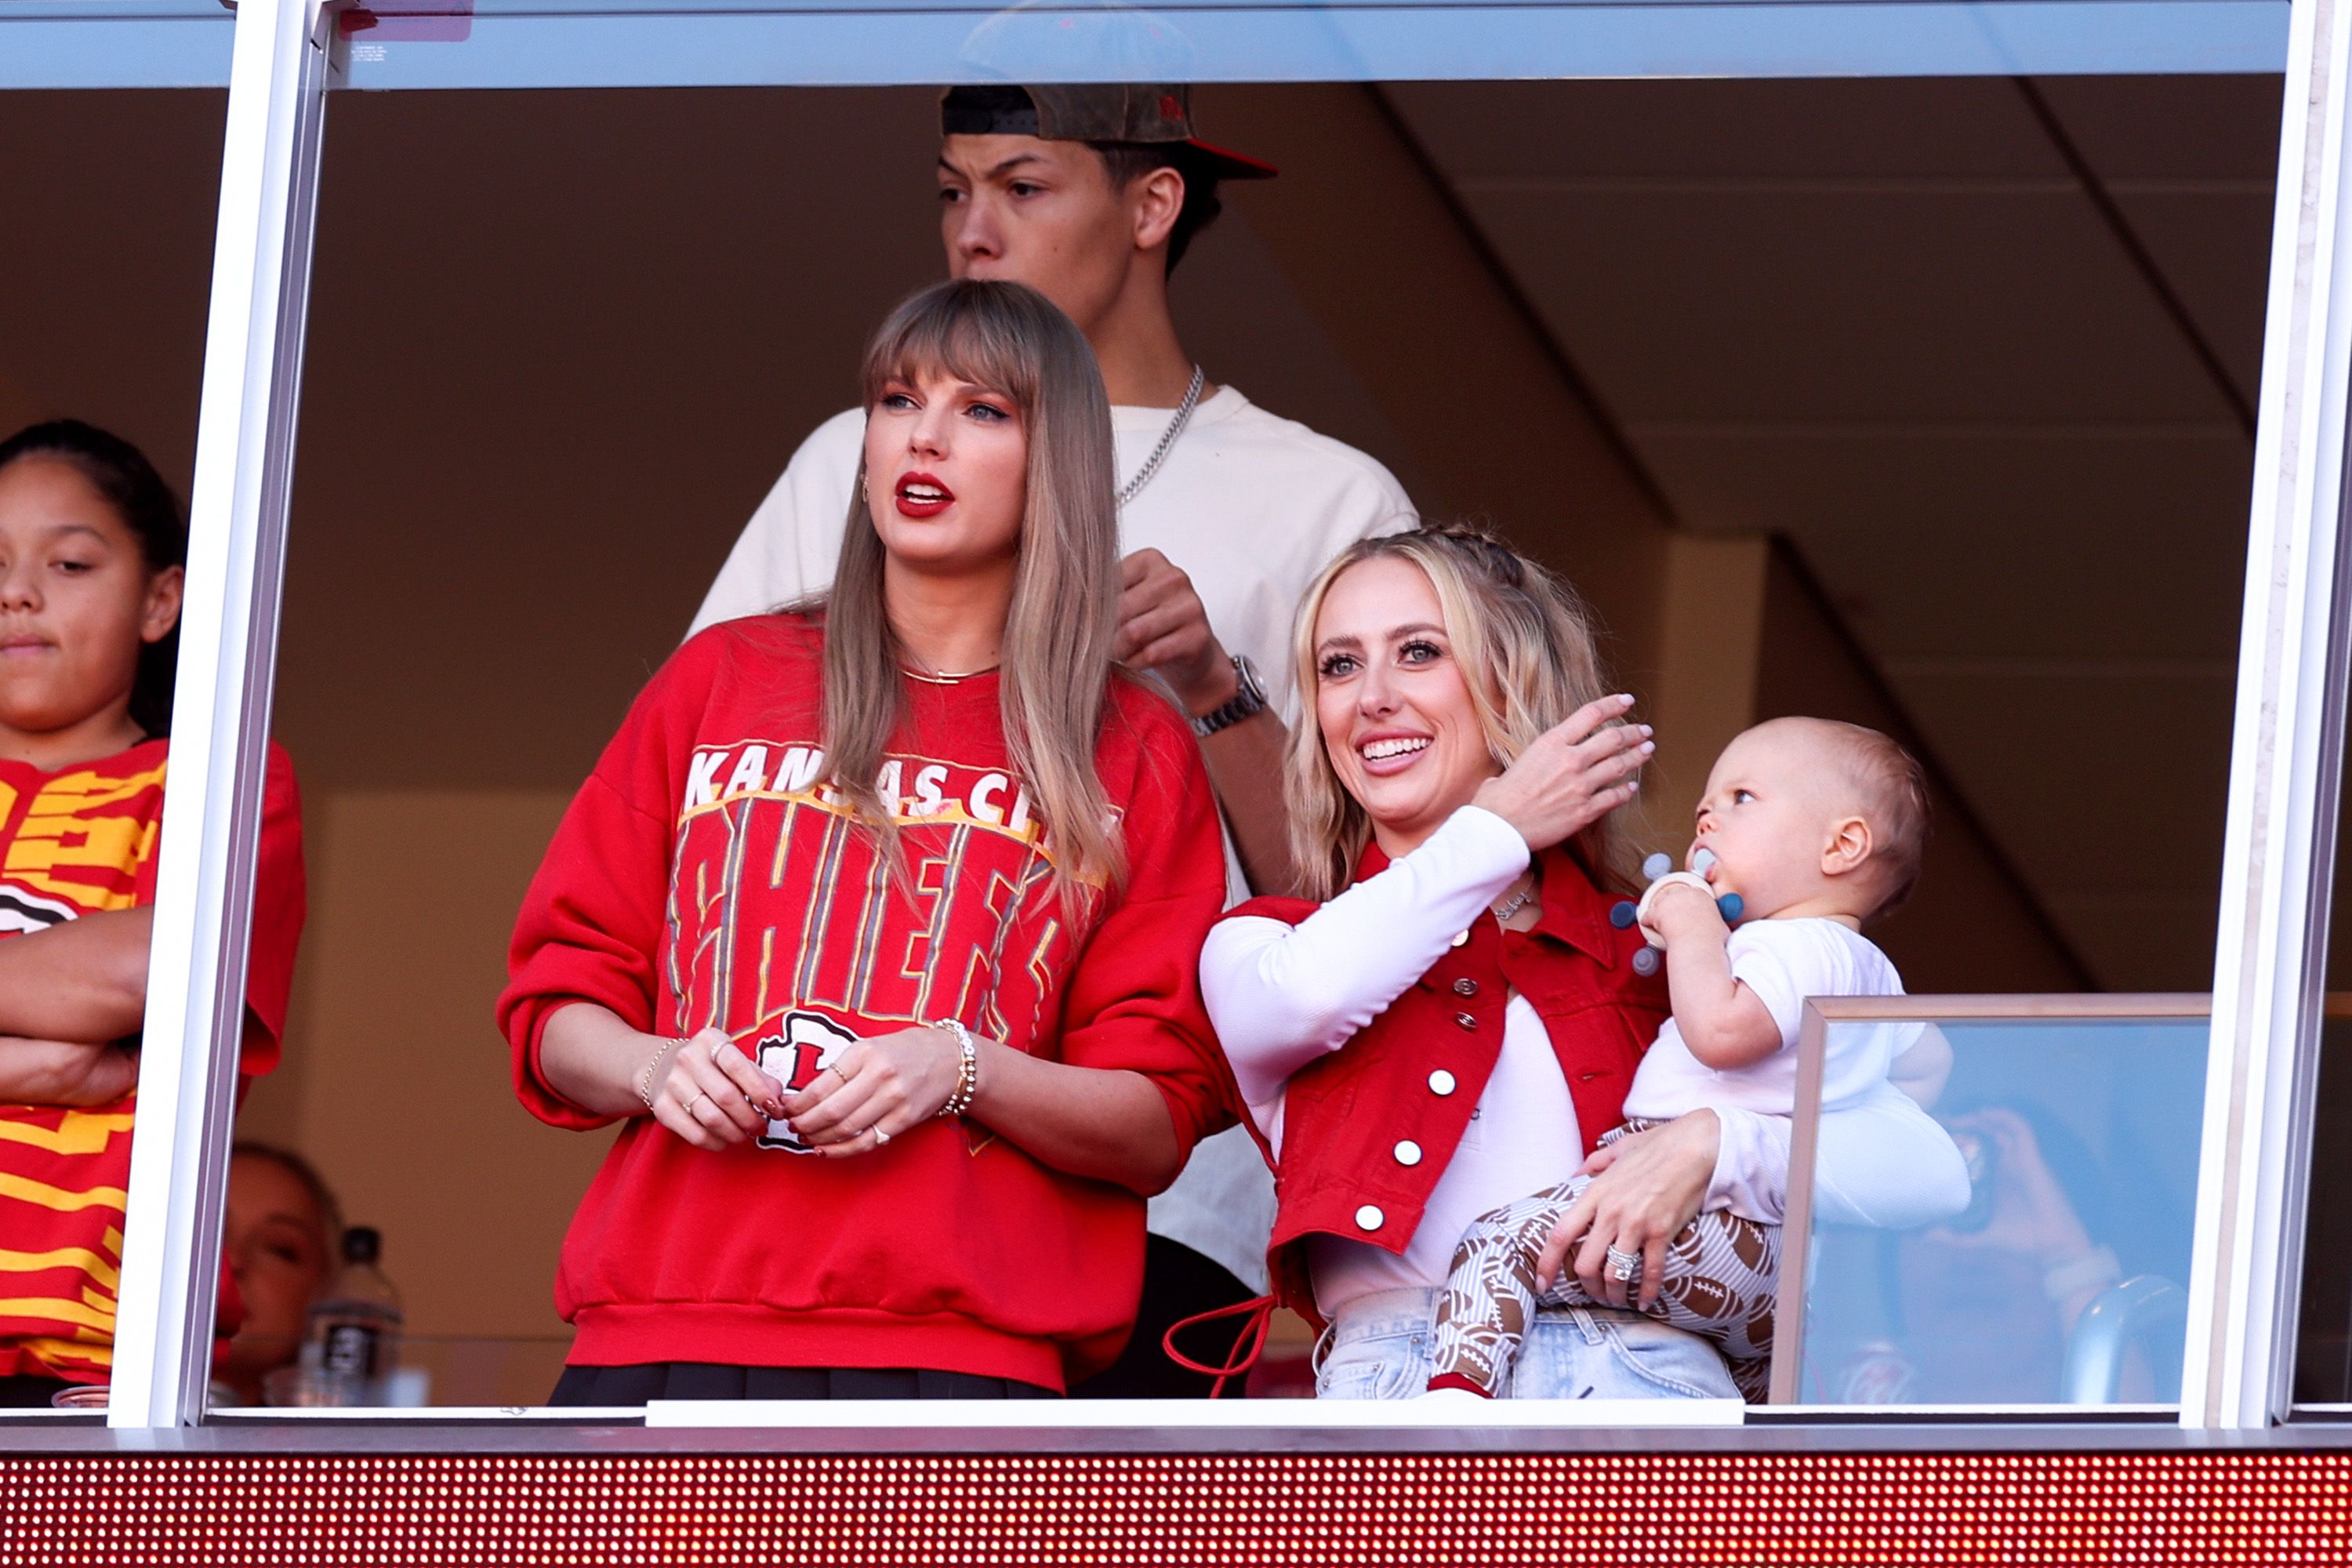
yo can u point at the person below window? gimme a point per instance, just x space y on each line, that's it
1459 1018
283 1235
877 921
1092 195
92 552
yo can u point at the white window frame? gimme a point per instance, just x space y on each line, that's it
2286 745
220 729
2285 755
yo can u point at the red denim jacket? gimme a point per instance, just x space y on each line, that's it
1368 1129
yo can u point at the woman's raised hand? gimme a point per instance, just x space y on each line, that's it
1572 776
877 1090
711 1094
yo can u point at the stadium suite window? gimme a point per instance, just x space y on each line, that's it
1673 174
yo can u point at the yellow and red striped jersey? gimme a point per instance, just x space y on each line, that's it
76 842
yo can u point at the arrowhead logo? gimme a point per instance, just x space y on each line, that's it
806 1046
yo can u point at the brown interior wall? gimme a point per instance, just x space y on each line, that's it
1971 925
1428 322
1711 647
106 261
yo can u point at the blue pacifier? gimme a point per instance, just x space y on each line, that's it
1658 868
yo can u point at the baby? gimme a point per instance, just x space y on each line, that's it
1818 826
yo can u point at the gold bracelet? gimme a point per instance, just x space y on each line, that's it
645 1078
967 1067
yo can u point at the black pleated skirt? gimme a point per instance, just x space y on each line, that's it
621 1385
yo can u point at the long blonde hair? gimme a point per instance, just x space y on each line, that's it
1064 614
1524 644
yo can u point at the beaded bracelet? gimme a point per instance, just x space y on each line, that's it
967 1067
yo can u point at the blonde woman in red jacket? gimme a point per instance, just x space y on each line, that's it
874 926
1452 1014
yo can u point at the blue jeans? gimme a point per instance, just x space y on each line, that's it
1378 1348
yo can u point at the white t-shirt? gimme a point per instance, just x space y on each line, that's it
1783 962
1249 505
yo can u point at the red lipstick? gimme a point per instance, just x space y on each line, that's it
921 495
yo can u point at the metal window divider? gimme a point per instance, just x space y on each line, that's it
228 637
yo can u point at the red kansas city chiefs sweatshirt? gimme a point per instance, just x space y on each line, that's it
705 875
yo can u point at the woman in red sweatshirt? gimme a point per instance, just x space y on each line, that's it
876 925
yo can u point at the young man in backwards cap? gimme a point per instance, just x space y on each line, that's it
1091 196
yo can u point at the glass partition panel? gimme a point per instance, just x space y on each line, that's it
464 1371
102 43
111 199
751 43
2323 1369
2061 1279
1825 360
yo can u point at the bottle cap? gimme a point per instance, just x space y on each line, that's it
362 1243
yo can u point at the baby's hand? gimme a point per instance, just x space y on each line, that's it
1680 906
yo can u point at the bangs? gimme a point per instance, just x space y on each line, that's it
943 335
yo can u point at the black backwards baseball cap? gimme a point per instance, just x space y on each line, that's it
1147 114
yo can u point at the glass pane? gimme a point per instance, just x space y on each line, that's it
2063 1281
472 1372
106 44
2323 1368
1815 365
751 43
111 199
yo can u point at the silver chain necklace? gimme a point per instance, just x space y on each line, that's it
1511 906
1134 487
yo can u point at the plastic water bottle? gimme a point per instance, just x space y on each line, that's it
354 1329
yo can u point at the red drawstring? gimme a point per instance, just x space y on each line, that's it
1246 1346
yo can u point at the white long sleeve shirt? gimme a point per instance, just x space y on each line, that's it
1282 996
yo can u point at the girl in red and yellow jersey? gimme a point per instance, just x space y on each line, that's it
91 546
878 923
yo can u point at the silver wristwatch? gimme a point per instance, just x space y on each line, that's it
1248 699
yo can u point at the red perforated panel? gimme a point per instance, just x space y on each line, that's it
1750 1511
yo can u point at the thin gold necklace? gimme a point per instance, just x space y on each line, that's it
942 676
